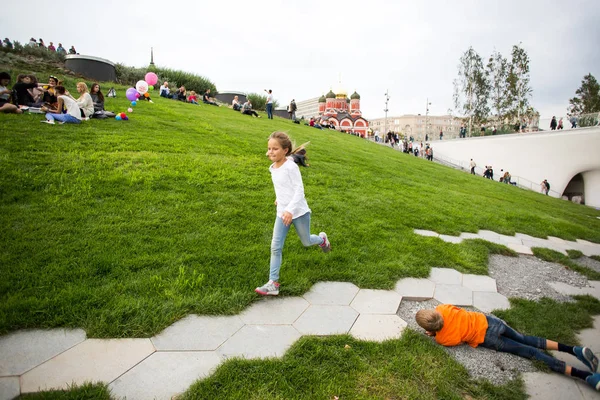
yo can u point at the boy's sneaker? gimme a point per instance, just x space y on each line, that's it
594 381
268 289
326 246
47 121
586 356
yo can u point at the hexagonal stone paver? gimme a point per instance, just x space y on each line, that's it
567 289
447 276
260 341
21 351
326 320
377 327
95 360
272 311
415 289
520 248
510 239
369 301
480 283
331 293
197 333
544 386
9 388
469 235
451 239
424 232
490 236
488 301
453 294
164 374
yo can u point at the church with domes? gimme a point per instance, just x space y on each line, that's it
343 112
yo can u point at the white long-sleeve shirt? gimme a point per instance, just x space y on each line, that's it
289 189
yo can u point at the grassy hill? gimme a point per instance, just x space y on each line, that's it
123 227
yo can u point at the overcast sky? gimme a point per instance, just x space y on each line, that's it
300 48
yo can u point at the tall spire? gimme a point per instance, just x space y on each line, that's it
151 55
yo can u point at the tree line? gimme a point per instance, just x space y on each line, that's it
497 91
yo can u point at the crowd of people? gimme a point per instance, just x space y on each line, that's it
7 43
52 99
181 94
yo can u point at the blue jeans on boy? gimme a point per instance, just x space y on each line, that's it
66 118
280 231
502 337
270 110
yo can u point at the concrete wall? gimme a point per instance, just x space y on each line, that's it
557 156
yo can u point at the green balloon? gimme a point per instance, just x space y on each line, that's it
151 87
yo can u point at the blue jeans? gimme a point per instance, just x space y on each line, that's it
502 337
66 118
270 110
280 231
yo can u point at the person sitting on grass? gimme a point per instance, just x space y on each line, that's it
247 109
21 88
73 114
452 326
6 96
85 102
206 99
49 98
180 94
98 100
235 103
164 90
193 98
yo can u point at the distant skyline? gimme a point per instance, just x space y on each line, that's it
300 49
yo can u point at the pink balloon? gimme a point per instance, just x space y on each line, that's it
151 78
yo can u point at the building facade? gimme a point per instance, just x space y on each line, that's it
343 112
418 126
308 108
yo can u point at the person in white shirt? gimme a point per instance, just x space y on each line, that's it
73 115
85 102
164 90
269 103
292 208
472 165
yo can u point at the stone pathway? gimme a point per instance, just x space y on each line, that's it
190 349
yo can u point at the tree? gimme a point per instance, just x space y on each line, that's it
471 88
259 101
518 82
587 99
497 72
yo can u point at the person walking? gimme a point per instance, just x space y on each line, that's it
452 326
269 103
463 131
545 186
553 124
472 165
292 208
560 124
292 110
441 134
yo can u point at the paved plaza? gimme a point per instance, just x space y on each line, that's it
190 349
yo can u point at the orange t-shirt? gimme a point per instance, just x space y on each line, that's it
461 326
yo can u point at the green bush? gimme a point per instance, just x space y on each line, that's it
40 52
259 101
176 78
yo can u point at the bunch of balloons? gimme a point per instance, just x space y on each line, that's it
121 117
141 89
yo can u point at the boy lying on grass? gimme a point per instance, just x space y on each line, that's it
451 326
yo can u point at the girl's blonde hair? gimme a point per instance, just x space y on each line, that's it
430 320
84 85
284 141
192 93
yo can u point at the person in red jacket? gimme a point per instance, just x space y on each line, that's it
452 326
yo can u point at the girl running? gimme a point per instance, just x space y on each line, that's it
292 208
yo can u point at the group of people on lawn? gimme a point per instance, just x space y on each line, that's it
182 94
50 98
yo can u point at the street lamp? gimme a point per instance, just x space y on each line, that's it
387 98
427 118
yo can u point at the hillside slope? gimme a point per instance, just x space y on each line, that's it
122 228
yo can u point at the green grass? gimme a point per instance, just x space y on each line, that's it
597 258
555 256
574 254
320 368
122 228
551 319
87 391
